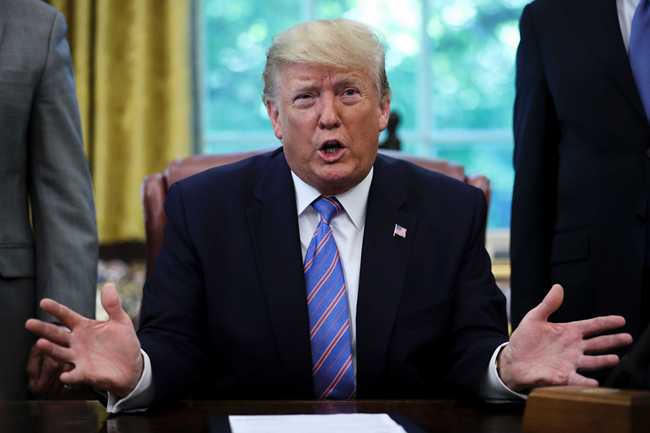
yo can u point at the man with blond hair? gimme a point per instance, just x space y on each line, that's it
322 269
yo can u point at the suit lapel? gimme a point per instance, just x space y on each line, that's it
603 37
383 270
273 222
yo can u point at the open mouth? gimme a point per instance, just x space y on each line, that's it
331 146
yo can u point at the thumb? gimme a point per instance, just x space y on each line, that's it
112 303
549 305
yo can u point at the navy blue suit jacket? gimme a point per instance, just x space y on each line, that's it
224 313
582 167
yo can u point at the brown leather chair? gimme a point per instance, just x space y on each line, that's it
154 188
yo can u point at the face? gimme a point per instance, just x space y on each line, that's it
329 122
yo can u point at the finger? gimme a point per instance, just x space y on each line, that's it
112 303
576 379
590 362
34 369
60 353
62 313
47 378
549 304
598 325
50 369
72 377
606 342
34 363
57 334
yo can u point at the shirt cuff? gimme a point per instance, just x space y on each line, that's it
140 398
493 389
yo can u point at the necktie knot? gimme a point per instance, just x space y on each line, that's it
327 207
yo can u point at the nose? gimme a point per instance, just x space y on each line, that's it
329 116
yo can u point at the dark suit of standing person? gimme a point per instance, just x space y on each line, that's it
323 270
580 210
43 178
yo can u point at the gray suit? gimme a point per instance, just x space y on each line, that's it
43 172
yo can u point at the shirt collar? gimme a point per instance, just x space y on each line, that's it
354 200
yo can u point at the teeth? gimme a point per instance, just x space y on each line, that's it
330 150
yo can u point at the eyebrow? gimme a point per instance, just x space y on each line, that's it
305 84
353 79
347 81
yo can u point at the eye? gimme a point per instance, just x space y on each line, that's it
350 95
303 99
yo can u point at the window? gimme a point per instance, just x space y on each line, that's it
450 64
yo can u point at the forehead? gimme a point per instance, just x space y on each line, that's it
299 74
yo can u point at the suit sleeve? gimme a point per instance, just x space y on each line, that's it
536 135
172 317
479 322
63 212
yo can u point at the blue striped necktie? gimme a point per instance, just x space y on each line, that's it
329 313
640 52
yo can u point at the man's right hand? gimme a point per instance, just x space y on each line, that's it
105 355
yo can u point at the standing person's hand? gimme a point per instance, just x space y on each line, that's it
43 373
103 354
543 353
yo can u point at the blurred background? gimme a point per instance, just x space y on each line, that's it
159 80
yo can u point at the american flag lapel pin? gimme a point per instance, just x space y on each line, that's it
399 231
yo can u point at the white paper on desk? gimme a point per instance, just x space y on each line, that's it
339 423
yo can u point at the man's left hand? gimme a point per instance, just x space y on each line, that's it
541 353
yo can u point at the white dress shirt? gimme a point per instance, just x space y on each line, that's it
626 9
347 229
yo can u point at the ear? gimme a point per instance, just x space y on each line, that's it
274 114
384 112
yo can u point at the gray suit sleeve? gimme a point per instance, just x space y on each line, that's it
63 212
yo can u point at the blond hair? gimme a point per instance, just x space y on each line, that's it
340 44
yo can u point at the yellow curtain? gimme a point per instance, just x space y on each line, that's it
132 62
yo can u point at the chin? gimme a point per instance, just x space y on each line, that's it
335 184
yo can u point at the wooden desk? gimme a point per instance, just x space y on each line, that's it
190 417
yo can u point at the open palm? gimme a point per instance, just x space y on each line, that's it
545 353
104 354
